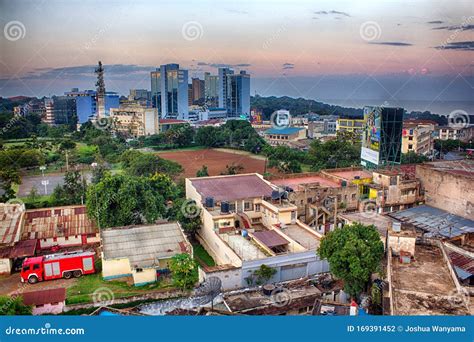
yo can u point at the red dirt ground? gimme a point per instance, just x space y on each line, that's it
215 161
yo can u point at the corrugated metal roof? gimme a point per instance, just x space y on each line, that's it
462 261
434 221
144 246
57 222
231 188
45 296
270 238
10 216
284 131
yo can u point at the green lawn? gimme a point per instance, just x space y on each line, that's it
202 256
83 290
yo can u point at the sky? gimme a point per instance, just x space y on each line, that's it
413 53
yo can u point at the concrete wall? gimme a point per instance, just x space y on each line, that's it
116 268
48 309
399 243
70 241
451 192
148 275
5 266
230 277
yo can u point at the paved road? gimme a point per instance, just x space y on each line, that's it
53 179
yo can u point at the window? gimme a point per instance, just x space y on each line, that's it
248 206
353 197
26 268
257 207
216 225
36 267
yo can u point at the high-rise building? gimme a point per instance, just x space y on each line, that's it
86 103
138 94
198 91
135 120
169 91
238 95
211 89
222 88
60 110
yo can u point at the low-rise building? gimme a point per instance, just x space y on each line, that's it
134 120
350 125
46 302
284 136
141 252
318 198
351 175
449 185
166 124
455 133
247 223
417 137
59 227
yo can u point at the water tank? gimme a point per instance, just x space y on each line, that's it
225 207
244 233
209 202
343 183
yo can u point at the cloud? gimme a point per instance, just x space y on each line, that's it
462 27
463 46
392 43
287 66
223 65
236 11
332 13
435 22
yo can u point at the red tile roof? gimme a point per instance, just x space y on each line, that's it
45 296
231 188
171 121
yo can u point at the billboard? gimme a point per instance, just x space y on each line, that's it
371 136
382 136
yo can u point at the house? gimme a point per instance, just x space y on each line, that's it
247 223
61 227
318 198
12 250
46 302
141 252
284 136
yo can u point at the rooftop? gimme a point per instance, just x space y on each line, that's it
144 246
10 217
284 131
435 222
424 286
171 121
243 247
463 264
234 187
381 222
270 238
301 236
463 167
350 174
57 222
294 182
43 297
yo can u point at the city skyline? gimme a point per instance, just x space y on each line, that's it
324 50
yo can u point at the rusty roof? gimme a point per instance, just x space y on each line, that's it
45 296
57 222
270 238
23 249
10 217
461 261
231 188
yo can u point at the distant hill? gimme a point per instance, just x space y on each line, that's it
299 106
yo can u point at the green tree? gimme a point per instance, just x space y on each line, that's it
354 252
263 274
183 271
122 200
13 306
8 177
72 192
413 158
284 158
187 213
203 172
333 154
232 169
137 163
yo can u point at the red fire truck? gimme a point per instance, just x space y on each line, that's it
55 266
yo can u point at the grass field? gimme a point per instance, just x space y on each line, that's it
202 256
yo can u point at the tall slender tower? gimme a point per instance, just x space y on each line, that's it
100 91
